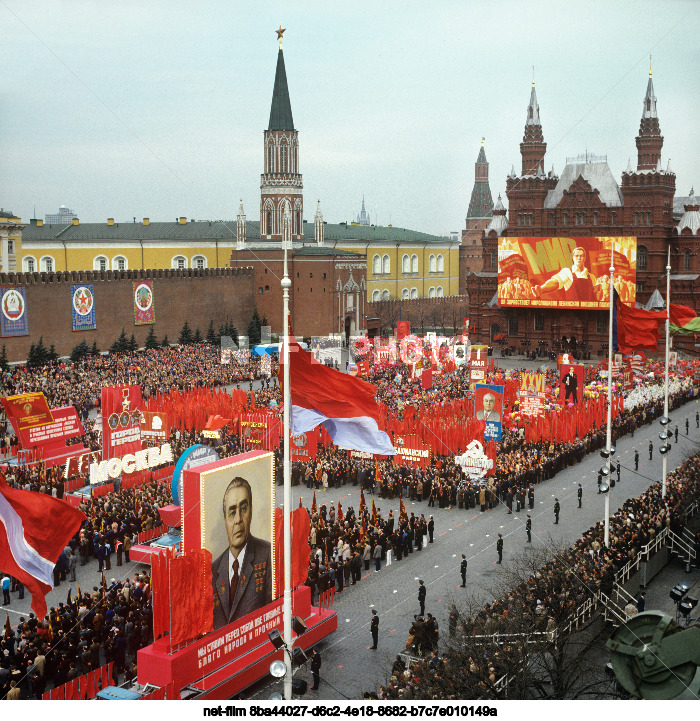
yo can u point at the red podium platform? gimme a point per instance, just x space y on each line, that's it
224 662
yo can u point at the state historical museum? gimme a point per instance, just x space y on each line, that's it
587 201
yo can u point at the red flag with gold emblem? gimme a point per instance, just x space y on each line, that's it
403 516
375 517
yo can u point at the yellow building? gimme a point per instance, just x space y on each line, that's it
10 240
124 246
401 264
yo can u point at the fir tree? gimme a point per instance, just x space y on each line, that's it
211 334
94 351
53 355
133 345
185 335
165 342
121 345
4 365
80 351
254 329
151 340
197 339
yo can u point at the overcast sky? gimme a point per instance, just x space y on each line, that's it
156 108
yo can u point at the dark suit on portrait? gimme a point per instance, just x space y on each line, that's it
493 416
254 583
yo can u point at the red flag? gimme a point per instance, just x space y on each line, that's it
300 504
363 503
191 600
314 508
375 516
363 531
635 328
8 627
339 515
403 516
426 379
29 545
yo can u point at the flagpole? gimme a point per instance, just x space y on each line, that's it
287 600
608 434
664 462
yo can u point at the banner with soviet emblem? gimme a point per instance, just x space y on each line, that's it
144 310
27 411
13 318
305 445
121 420
83 306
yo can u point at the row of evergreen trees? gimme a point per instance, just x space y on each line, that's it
40 355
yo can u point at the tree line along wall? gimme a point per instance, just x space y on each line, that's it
194 295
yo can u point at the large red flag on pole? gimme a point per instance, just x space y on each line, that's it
34 530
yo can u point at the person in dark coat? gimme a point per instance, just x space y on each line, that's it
315 668
557 508
499 547
580 495
528 528
463 571
374 628
421 597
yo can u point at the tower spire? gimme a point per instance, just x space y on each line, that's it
649 140
533 147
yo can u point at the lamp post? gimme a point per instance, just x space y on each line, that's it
608 434
664 462
286 284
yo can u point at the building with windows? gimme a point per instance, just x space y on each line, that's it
63 217
587 200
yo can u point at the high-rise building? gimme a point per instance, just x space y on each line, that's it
63 217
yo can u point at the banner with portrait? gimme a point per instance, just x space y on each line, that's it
144 310
228 508
571 384
565 272
532 393
83 306
488 406
13 319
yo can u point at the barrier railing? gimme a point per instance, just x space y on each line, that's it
151 533
83 687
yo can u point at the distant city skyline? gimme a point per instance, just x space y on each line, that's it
158 109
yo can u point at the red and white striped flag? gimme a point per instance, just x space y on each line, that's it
34 530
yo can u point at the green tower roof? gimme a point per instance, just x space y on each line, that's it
281 109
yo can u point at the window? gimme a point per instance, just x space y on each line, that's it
100 263
641 257
376 296
179 262
539 322
640 287
298 228
513 325
46 264
386 265
595 218
440 264
494 263
414 293
405 264
414 264
267 288
324 276
552 219
601 323
404 294
10 246
686 260
520 219
432 264
385 294
260 290
269 222
29 265
270 158
565 219
376 265
311 275
636 218
121 263
199 262
283 159
431 292
439 292
613 218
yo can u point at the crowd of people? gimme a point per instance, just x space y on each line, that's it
342 546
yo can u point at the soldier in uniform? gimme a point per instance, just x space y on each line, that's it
580 495
557 508
374 628
499 547
528 528
463 571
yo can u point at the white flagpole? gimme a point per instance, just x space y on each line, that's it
608 435
287 600
664 462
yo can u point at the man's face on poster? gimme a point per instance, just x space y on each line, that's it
238 512
579 259
489 402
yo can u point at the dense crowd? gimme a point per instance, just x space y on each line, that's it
116 616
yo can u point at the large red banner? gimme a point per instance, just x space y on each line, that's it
305 445
121 420
260 431
532 393
412 451
565 272
27 410
571 381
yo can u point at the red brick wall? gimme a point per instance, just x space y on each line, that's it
197 296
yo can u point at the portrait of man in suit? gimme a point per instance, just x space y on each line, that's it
488 413
242 574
